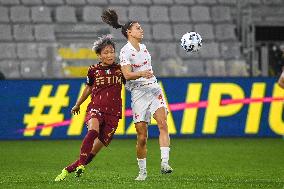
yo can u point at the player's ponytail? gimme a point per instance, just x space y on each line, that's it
111 18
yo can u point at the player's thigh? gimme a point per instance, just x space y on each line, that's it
93 120
94 124
140 110
158 107
108 128
160 116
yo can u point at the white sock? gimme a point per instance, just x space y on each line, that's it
142 164
165 155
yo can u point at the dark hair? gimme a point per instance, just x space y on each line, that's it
110 17
102 42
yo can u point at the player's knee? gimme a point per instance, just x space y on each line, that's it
141 140
162 124
94 128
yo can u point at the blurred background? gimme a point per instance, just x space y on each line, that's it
52 38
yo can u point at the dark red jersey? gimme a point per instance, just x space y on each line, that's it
106 83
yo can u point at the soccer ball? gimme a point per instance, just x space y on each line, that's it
191 42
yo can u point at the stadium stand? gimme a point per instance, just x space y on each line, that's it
33 31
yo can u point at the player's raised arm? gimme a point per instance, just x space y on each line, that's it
130 75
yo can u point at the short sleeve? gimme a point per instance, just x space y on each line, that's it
90 77
124 58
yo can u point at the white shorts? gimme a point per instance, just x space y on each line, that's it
146 101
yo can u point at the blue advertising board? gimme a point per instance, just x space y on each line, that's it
198 107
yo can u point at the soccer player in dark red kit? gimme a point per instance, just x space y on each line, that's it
104 84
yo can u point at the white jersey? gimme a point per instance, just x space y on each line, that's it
139 61
146 94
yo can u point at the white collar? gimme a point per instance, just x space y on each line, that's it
133 48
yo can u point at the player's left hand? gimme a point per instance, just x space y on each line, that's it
75 110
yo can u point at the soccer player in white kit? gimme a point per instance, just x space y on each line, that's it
146 94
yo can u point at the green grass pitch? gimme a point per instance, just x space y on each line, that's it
197 163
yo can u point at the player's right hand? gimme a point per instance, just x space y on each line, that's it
75 110
147 74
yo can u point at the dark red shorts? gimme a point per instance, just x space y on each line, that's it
108 125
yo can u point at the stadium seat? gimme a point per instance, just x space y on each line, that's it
23 32
179 14
7 51
53 2
139 2
237 68
119 2
165 2
32 2
158 14
185 2
221 13
200 13
10 68
31 69
41 14
97 2
225 32
10 2
4 16
20 14
162 32
195 67
44 32
228 2
5 32
27 50
215 67
230 50
180 29
167 50
75 2
92 14
205 30
138 13
210 50
207 2
65 14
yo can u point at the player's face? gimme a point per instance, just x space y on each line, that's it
136 31
107 55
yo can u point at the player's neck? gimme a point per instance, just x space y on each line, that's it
135 43
104 65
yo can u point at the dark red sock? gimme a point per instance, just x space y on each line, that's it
90 158
87 146
72 167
